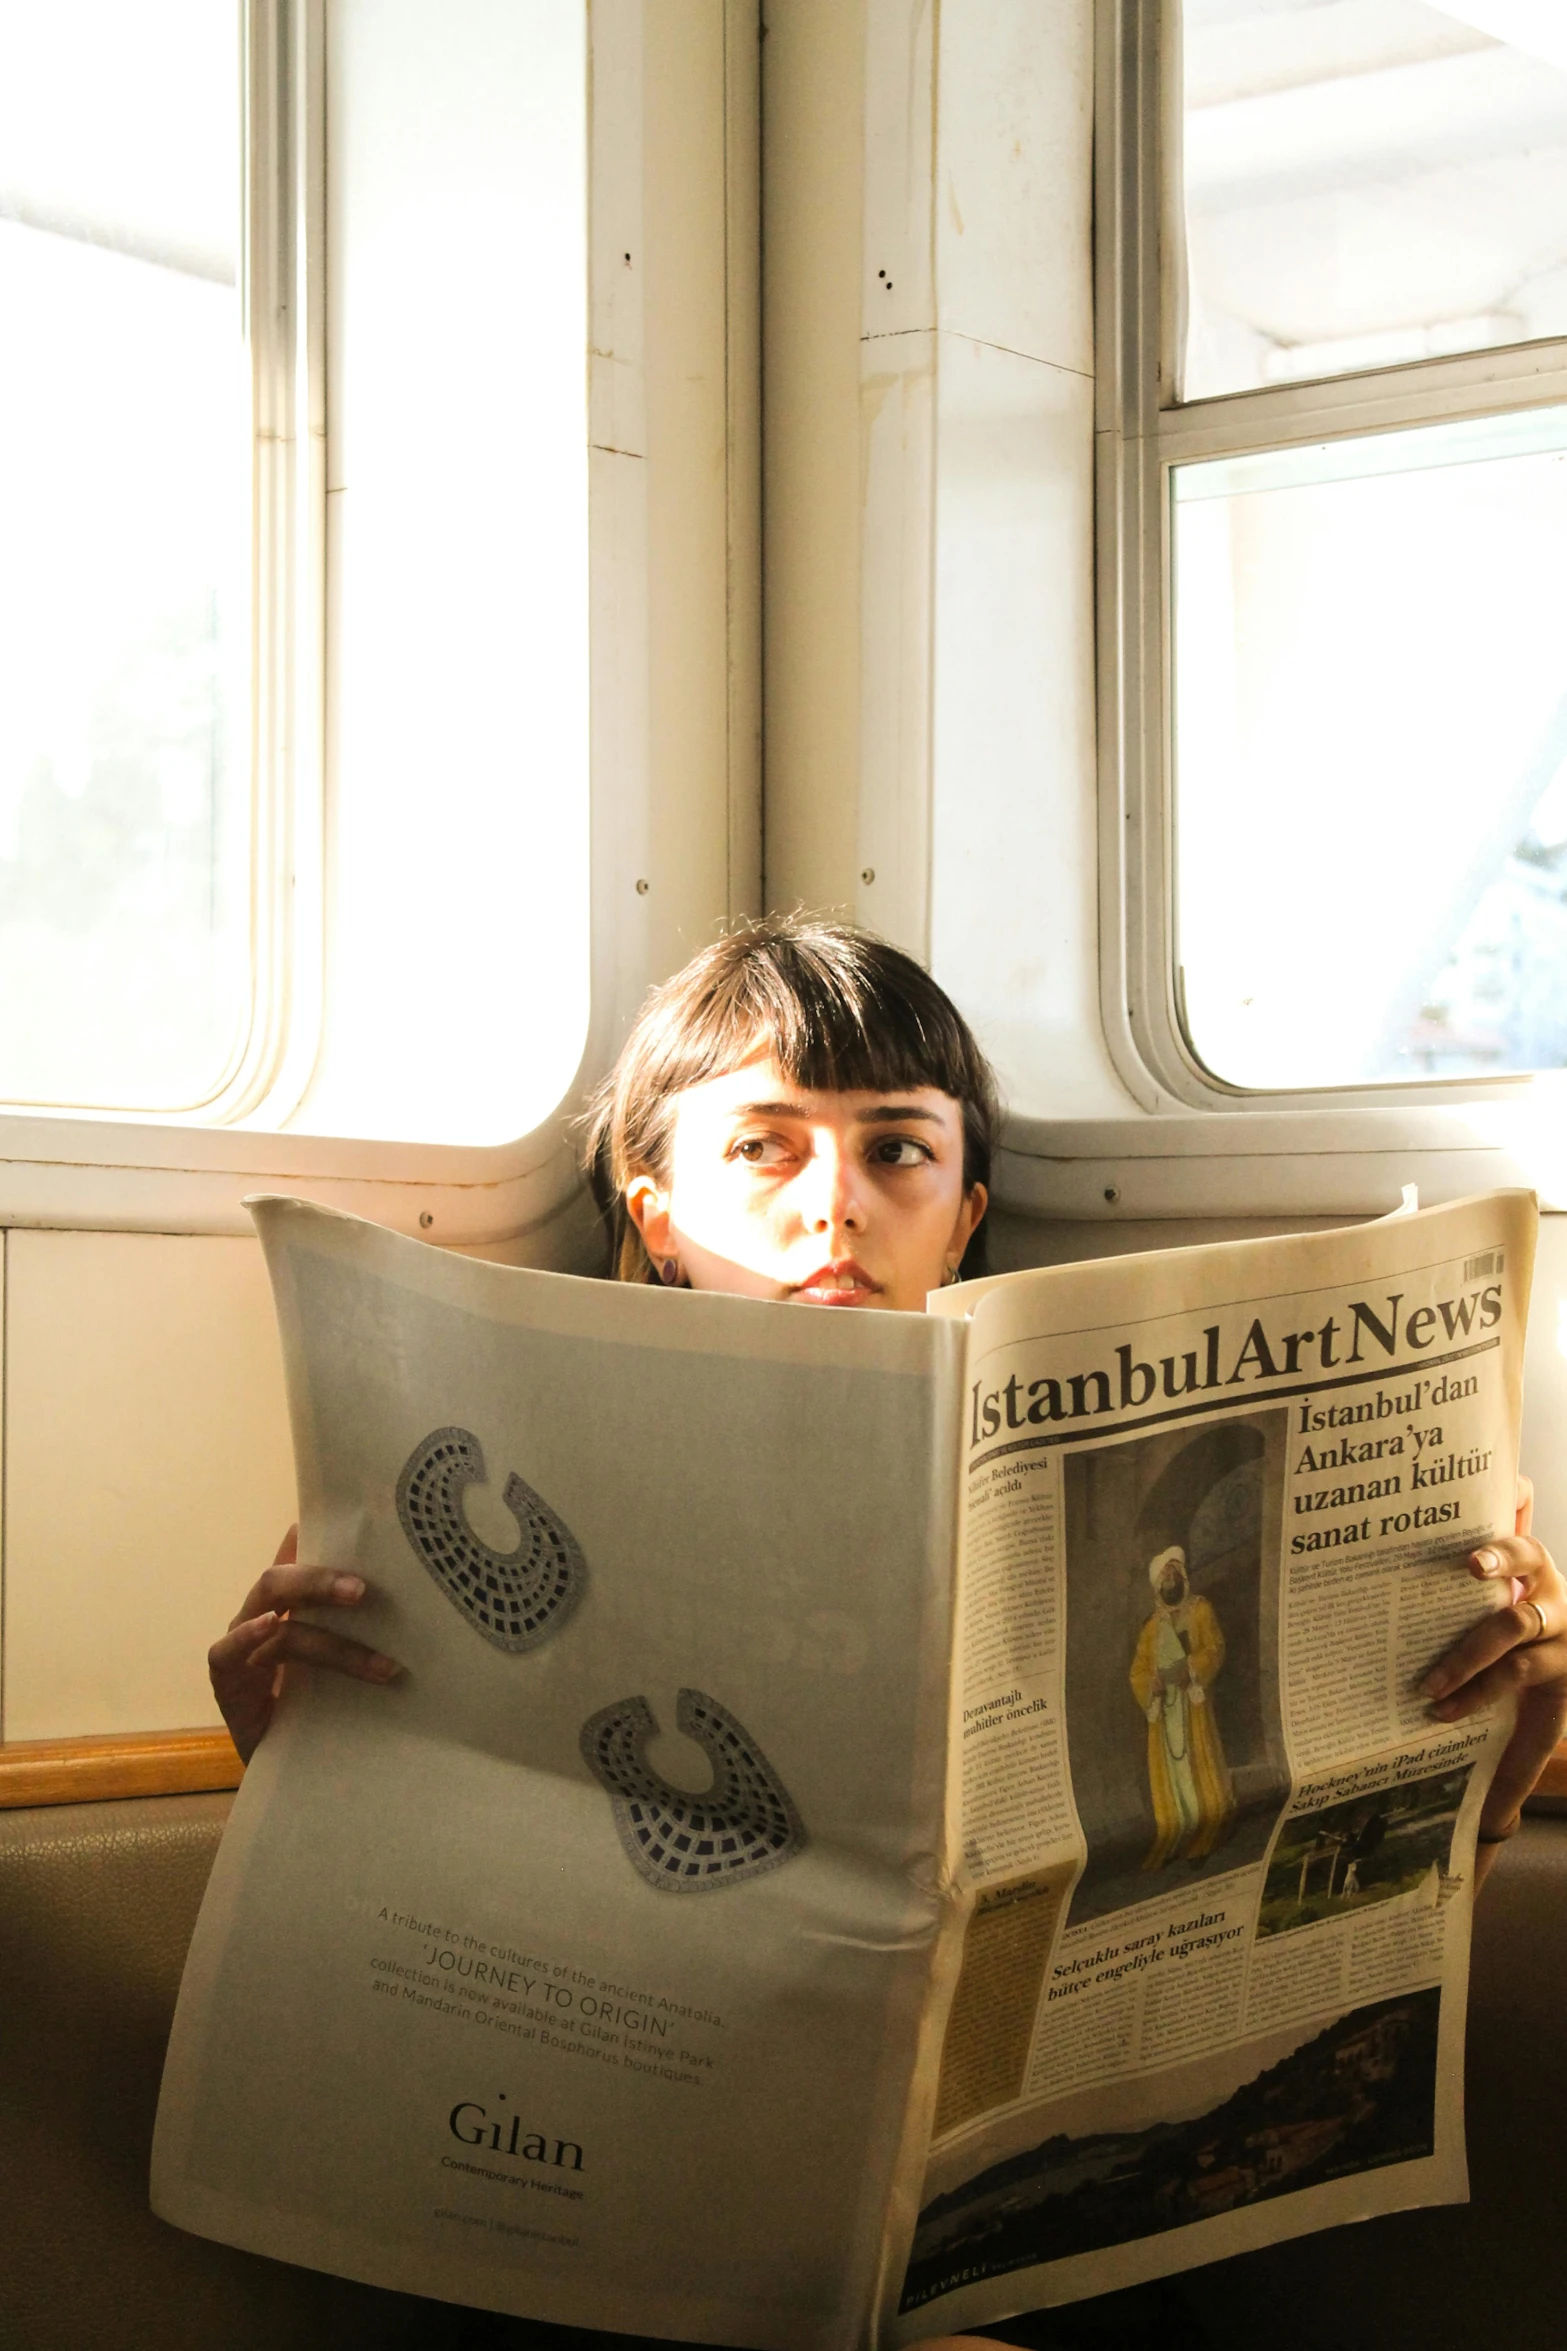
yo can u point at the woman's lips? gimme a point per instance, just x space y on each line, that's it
843 1283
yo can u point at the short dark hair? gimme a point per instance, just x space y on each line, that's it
838 1009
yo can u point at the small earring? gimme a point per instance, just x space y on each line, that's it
669 1272
950 1276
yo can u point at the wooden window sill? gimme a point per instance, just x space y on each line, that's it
133 1763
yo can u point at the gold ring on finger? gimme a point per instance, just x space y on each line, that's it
1540 1620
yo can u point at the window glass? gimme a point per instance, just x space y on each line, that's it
124 732
457 737
1370 182
1370 733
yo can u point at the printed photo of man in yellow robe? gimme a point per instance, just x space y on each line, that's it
1173 1545
1179 1655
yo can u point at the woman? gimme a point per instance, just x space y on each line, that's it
799 1114
802 1114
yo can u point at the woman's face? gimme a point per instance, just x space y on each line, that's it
777 1191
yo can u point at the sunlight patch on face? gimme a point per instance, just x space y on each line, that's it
835 1199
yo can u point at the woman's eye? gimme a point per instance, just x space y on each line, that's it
901 1151
760 1150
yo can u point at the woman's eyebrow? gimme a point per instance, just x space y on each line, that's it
881 1114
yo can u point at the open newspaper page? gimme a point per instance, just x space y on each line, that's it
1218 1503
584 1973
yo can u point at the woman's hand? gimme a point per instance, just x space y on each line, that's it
248 1664
1522 1647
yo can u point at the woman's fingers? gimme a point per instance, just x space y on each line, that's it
243 1683
254 1650
1518 1556
292 1643
1518 1651
1530 1666
286 1586
246 1663
1518 1646
245 1666
285 1555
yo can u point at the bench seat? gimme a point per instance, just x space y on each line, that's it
97 1903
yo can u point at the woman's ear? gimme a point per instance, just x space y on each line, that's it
975 1202
648 1209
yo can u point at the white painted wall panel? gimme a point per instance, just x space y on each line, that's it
930 748
899 391
149 1473
1013 180
813 81
685 193
1014 915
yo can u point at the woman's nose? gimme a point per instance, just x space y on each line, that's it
834 1201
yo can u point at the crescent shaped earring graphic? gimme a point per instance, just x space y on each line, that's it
515 1598
745 1824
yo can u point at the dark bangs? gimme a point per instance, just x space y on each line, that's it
839 1010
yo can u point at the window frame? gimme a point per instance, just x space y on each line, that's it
283 277
1141 432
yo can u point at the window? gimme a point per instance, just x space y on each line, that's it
1368 183
125 786
1337 341
456 933
294 575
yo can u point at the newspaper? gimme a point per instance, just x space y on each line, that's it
890 1821
1221 1854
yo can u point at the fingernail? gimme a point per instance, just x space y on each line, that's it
383 1668
1487 1562
1434 1683
348 1587
1445 1710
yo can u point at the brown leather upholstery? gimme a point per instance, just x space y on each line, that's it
97 1902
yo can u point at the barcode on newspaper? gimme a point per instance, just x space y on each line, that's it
1477 1269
